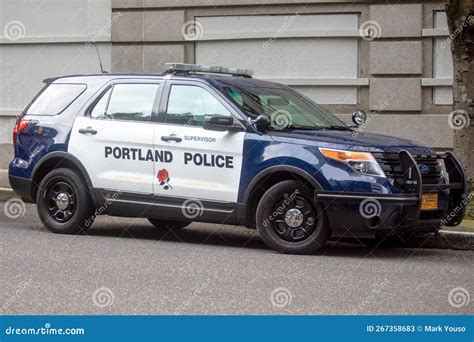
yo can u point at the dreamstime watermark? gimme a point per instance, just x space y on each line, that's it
459 297
22 287
47 329
102 209
371 118
14 30
464 24
192 30
376 289
281 297
14 208
457 210
369 208
192 208
370 30
103 297
281 208
104 30
458 119
196 293
287 22
7 127
281 119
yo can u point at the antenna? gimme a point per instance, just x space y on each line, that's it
100 60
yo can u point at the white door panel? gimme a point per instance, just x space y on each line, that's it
206 164
116 156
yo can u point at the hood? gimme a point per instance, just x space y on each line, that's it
354 141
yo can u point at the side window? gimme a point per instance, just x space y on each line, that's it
132 102
188 104
54 98
101 106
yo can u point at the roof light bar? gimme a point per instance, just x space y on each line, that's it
177 67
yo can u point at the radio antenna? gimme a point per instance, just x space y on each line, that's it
100 60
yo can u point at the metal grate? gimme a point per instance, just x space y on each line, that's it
428 164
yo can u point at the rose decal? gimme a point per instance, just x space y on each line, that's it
164 178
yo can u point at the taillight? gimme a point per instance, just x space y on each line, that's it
20 125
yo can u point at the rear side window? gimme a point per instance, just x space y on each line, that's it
55 98
131 102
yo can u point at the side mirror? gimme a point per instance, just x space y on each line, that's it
359 117
218 122
262 122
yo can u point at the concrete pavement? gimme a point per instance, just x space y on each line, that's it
126 266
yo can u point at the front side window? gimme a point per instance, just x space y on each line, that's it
55 98
187 105
131 102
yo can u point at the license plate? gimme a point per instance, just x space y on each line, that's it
429 201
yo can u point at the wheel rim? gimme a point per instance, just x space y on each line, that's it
295 219
60 201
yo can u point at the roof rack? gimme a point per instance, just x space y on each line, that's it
172 68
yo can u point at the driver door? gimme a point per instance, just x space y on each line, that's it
206 163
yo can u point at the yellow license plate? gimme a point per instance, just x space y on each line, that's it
429 201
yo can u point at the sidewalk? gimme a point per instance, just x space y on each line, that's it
5 191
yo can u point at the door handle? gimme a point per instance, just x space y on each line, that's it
88 130
171 138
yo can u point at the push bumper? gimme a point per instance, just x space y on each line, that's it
366 215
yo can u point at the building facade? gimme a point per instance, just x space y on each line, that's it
391 59
42 39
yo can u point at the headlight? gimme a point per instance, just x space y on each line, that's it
362 162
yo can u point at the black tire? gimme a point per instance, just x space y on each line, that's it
79 213
168 224
272 219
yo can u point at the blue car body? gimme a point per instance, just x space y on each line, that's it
45 143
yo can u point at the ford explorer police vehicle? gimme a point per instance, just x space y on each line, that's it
213 144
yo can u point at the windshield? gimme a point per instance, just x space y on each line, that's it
286 108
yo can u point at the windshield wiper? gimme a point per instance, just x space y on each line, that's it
318 128
304 128
338 128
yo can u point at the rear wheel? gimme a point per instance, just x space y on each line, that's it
289 221
168 224
63 202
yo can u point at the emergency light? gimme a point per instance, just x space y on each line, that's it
182 67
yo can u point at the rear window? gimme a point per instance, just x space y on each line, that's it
55 98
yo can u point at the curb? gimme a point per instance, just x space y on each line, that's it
463 240
6 194
443 240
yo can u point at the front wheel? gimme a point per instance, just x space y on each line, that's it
289 221
63 202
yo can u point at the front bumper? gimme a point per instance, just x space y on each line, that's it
366 215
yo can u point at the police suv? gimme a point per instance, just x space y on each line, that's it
213 144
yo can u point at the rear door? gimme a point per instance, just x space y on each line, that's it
205 164
114 139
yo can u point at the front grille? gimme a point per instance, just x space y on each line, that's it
428 164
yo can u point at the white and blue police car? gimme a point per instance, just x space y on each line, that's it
213 144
